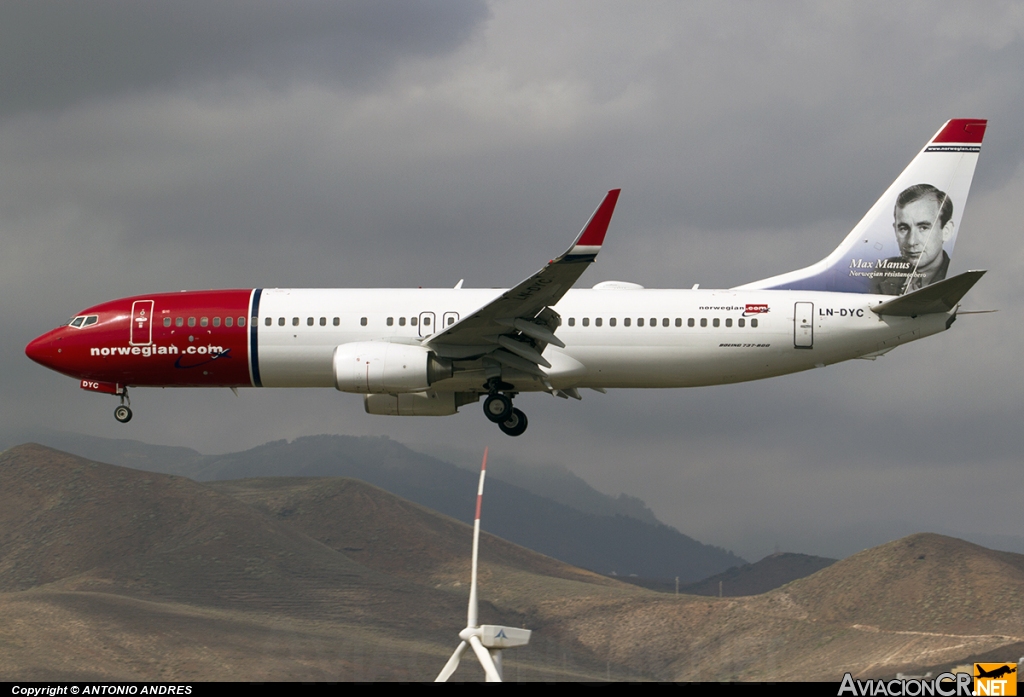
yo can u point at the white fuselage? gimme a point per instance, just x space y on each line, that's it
635 338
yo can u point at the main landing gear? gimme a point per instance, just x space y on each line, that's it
124 412
498 408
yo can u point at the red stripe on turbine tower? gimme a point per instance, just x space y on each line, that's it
480 487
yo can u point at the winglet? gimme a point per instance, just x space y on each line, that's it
591 237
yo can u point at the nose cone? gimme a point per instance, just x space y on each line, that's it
42 351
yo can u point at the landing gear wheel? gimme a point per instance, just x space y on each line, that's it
123 414
515 425
498 408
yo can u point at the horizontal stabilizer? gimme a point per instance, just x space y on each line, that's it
938 297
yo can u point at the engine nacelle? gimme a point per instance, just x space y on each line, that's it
380 367
411 404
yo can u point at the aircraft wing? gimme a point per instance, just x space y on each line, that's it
516 327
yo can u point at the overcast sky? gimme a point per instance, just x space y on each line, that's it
150 147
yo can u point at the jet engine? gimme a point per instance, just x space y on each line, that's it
374 367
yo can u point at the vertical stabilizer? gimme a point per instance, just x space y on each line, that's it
905 241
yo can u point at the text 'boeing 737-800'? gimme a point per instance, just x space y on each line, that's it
427 352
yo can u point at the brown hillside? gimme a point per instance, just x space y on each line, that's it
109 573
388 533
927 582
89 526
915 602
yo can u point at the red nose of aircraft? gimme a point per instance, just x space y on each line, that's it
45 350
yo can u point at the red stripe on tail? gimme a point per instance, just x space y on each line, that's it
962 131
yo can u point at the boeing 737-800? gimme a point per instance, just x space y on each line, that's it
427 352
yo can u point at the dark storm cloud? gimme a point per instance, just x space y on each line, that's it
411 149
59 52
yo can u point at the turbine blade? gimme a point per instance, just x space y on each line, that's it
452 664
471 614
485 659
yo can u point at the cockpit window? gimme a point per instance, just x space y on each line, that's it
84 321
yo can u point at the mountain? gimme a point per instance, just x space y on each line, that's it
915 602
108 573
113 573
773 571
617 543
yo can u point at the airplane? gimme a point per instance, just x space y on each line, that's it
428 352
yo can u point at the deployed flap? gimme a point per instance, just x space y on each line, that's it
478 333
938 297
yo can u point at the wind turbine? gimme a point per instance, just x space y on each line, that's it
487 640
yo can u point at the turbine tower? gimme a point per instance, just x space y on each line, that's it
487 640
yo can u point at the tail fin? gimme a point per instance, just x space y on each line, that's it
905 241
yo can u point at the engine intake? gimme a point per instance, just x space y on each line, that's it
374 367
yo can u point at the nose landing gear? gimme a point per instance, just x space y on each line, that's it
123 413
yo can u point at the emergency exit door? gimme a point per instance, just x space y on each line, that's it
803 326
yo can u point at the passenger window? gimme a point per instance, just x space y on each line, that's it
362 321
679 321
216 321
204 321
167 321
295 321
597 322
401 321
639 321
627 321
337 321
715 322
228 322
270 320
426 321
179 321
280 321
412 321
753 323
611 321
664 322
241 321
728 322
391 321
191 321
654 321
586 321
703 321
572 321
323 321
309 321
451 321
689 322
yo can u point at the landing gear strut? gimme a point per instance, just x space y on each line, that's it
498 408
123 413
